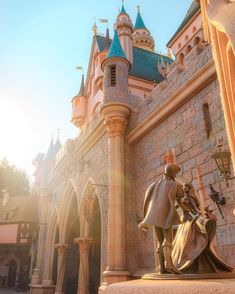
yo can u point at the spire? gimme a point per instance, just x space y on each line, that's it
123 11
106 45
58 135
141 36
82 87
50 151
57 145
115 49
139 23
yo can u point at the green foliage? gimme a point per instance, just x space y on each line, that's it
12 179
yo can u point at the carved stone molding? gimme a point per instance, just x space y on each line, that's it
115 126
115 118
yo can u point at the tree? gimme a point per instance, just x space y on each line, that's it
15 181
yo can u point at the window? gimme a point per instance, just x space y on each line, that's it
207 119
196 41
188 49
194 29
181 58
179 45
186 38
113 75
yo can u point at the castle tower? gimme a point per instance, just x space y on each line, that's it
115 112
141 36
124 28
79 103
115 67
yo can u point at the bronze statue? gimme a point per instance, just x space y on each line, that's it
160 211
191 250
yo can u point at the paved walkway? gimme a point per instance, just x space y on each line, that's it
10 291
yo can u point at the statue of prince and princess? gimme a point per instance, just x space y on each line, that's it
191 250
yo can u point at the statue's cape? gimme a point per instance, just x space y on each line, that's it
147 197
159 204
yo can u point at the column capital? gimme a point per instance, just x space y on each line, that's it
84 243
115 118
83 240
115 126
61 247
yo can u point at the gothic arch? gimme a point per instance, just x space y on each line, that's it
69 195
91 218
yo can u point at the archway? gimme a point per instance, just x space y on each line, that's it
95 253
72 253
91 216
55 257
11 280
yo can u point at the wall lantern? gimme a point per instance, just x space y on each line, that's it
219 201
223 160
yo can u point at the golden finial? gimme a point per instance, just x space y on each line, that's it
138 8
94 28
169 54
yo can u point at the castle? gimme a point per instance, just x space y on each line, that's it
136 110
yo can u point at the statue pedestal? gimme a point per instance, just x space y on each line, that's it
212 286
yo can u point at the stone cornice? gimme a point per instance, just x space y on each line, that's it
197 82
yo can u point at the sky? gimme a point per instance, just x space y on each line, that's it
41 43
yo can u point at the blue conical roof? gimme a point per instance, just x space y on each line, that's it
115 49
139 23
123 10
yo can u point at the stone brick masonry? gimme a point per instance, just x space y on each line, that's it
183 131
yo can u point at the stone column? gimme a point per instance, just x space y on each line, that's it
60 267
83 278
219 29
36 277
115 116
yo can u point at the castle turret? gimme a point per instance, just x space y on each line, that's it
141 36
124 28
115 67
115 111
79 103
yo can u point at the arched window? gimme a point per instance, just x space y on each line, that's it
181 58
194 29
186 38
179 45
188 49
196 41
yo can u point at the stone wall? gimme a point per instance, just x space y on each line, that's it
185 132
97 171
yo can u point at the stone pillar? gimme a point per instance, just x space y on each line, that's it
219 28
36 277
115 116
83 278
60 267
